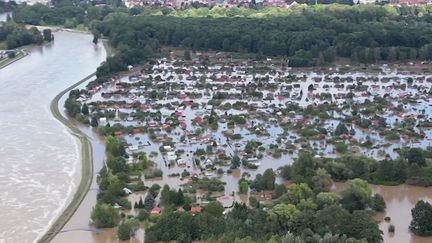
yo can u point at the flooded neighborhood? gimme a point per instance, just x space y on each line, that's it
239 121
203 125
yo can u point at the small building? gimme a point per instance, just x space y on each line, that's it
195 210
171 156
156 210
102 121
127 190
181 162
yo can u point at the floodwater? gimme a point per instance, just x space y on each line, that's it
40 166
3 16
399 200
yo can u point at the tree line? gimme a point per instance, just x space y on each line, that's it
307 36
15 35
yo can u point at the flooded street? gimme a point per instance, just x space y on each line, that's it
40 165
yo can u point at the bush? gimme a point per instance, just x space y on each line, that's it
391 228
341 148
127 229
155 173
377 203
104 216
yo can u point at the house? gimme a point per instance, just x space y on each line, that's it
127 190
227 201
195 210
102 121
171 156
198 120
156 210
181 162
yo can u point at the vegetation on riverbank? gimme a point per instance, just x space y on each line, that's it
13 35
86 171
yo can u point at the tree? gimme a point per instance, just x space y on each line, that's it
180 198
94 122
127 228
332 219
281 214
149 202
392 170
356 195
341 129
416 155
235 161
279 190
243 186
104 216
269 178
114 147
47 35
322 181
85 110
326 199
73 107
96 36
303 168
362 226
164 196
421 223
187 55
296 193
214 208
377 203
286 172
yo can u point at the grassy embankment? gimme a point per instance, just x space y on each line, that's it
86 171
7 61
86 157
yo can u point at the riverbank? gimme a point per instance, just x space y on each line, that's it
7 61
87 166
86 156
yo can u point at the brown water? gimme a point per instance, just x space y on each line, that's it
400 200
40 164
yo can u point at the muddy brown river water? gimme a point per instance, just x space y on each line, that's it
40 163
400 200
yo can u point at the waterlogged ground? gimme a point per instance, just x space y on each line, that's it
40 162
169 103
184 90
400 200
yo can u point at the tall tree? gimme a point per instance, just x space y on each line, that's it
421 223
356 195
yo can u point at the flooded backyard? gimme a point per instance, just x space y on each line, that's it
40 165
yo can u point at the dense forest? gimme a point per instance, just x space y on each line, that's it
307 36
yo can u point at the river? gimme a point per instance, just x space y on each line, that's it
40 166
